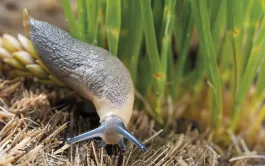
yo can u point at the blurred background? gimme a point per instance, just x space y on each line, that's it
48 10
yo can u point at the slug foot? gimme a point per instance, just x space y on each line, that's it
121 144
102 144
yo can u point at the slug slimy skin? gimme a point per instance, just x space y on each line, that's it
92 72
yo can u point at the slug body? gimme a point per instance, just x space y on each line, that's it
92 72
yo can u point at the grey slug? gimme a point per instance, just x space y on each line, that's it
92 72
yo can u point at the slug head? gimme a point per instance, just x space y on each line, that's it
112 130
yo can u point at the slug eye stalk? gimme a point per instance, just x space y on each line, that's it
124 132
97 132
111 125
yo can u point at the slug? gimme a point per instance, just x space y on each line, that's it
93 73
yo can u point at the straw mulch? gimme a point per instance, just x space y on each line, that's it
35 120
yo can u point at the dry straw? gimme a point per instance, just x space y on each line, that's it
27 139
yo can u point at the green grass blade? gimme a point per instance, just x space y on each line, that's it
260 88
113 23
186 33
252 23
125 31
262 5
226 60
151 44
92 20
171 74
236 17
144 77
214 11
82 19
152 52
201 19
135 38
218 22
68 12
102 33
158 17
167 25
255 59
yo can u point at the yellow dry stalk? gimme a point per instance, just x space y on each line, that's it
19 53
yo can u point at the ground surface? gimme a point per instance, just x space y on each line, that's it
35 120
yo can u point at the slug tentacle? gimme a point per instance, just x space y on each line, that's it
97 132
123 131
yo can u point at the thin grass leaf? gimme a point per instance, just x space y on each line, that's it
135 38
102 33
167 27
82 20
126 23
218 22
151 44
254 62
226 61
92 20
235 25
257 125
260 88
201 20
144 76
152 52
214 9
252 23
184 42
262 5
158 6
68 12
113 23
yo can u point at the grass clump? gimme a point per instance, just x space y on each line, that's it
155 40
